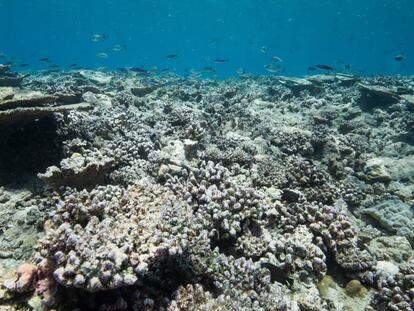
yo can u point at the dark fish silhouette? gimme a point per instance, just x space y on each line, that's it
348 66
138 70
312 68
172 56
325 67
399 58
73 65
24 65
221 60
53 66
45 60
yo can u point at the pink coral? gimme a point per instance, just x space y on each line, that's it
26 275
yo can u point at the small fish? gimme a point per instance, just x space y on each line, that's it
24 65
277 59
348 66
400 58
209 69
119 47
172 56
263 49
138 69
73 65
272 68
102 55
325 67
99 37
53 66
221 60
45 60
240 71
194 73
153 70
312 68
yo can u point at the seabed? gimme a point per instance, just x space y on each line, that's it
122 191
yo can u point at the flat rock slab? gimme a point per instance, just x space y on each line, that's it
11 81
18 105
17 115
346 80
409 99
6 93
26 99
375 96
296 85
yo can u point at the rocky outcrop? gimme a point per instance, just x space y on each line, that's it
80 171
374 96
394 216
20 106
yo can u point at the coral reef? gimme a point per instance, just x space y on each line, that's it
171 193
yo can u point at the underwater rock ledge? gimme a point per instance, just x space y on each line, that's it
129 192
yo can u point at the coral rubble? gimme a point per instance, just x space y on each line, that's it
171 193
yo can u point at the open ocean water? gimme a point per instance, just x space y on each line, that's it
365 34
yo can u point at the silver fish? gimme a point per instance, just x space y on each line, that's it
99 37
102 55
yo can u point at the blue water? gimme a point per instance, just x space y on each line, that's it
367 34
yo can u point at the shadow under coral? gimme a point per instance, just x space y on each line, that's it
28 149
164 277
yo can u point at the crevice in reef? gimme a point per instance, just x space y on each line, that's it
278 275
334 270
225 246
28 150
